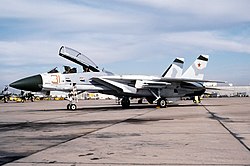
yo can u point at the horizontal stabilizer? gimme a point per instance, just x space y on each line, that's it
214 88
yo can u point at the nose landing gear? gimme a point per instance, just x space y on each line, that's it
72 97
71 107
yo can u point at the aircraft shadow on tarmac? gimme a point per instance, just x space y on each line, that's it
45 132
132 106
138 106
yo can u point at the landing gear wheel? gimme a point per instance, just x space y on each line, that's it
140 101
125 102
73 107
162 103
5 100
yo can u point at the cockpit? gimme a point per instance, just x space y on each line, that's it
78 58
68 70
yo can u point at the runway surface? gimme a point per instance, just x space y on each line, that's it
216 132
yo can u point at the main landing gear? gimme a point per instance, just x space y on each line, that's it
161 102
125 102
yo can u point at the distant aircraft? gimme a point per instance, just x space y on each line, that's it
5 94
171 84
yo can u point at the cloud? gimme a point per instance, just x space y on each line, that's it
235 10
190 15
206 40
67 17
98 48
16 53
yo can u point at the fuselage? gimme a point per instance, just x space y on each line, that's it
84 82
64 82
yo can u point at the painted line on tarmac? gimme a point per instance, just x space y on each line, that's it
219 119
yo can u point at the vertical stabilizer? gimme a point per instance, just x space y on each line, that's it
196 70
175 69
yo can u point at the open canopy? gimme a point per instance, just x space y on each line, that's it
79 58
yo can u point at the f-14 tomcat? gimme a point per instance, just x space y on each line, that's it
171 84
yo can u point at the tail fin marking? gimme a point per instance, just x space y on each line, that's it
196 70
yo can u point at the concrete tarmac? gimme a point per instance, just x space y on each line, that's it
216 132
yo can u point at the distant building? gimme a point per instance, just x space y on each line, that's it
96 96
229 91
58 94
81 96
84 95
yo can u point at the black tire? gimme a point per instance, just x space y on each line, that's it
125 102
140 101
5 99
162 103
73 107
68 106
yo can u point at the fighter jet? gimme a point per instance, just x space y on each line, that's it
171 84
5 94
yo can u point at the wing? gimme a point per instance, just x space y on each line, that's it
131 84
125 85
115 85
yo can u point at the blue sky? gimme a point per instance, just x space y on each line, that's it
126 36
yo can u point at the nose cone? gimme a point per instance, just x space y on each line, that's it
33 83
